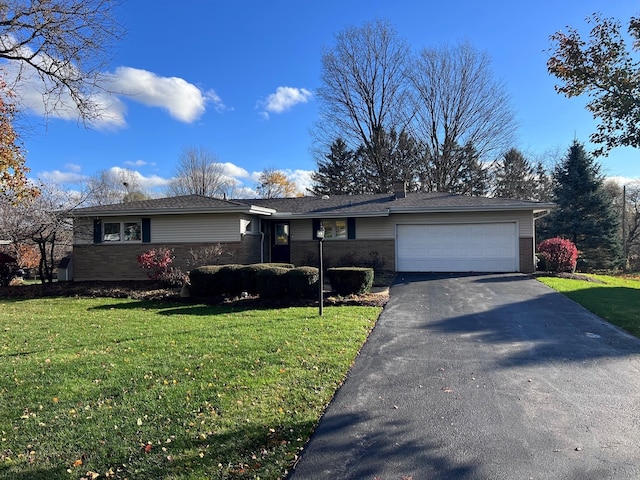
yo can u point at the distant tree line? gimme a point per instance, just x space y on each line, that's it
435 120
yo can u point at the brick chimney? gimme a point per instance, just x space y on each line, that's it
399 189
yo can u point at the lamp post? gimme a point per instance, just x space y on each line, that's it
320 235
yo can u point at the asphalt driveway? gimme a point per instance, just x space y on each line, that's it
483 377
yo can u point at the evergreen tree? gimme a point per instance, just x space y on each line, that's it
344 171
401 158
515 176
585 213
543 193
543 184
336 174
465 174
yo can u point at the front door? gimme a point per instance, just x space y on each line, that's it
280 249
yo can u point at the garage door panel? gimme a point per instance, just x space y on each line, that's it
489 247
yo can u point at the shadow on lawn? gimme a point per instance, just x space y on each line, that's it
196 309
247 451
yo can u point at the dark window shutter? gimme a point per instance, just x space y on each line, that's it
97 231
146 230
351 228
315 225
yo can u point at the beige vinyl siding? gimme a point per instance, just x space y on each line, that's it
203 228
385 227
301 230
375 228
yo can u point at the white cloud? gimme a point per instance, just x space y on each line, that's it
285 98
72 167
234 171
302 179
243 182
31 94
137 163
62 178
244 192
217 102
150 182
624 180
184 101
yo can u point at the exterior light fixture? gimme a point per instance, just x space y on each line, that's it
320 236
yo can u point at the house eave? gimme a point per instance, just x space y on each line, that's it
328 214
475 208
249 209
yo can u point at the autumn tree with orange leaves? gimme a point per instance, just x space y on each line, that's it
602 67
274 183
13 172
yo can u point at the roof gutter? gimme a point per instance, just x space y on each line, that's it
488 208
329 214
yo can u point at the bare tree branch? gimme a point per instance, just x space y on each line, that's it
63 45
199 173
364 89
458 104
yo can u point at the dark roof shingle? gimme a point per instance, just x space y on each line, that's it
338 205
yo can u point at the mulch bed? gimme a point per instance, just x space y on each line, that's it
570 276
146 290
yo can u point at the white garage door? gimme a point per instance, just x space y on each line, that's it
477 247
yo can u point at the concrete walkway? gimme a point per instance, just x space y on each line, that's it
483 377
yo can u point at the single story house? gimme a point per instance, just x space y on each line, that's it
426 232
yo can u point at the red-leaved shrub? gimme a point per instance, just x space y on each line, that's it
560 254
156 262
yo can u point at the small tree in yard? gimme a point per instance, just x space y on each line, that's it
156 262
560 254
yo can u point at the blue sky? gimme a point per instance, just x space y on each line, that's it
238 78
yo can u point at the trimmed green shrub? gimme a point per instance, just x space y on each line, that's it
204 281
271 282
303 282
350 280
8 269
230 278
248 274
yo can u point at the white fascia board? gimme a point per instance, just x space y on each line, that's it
261 210
163 211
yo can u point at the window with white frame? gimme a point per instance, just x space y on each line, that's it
335 229
121 232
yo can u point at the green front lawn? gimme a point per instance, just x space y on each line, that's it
147 390
617 299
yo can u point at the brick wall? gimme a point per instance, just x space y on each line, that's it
527 262
118 261
378 253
